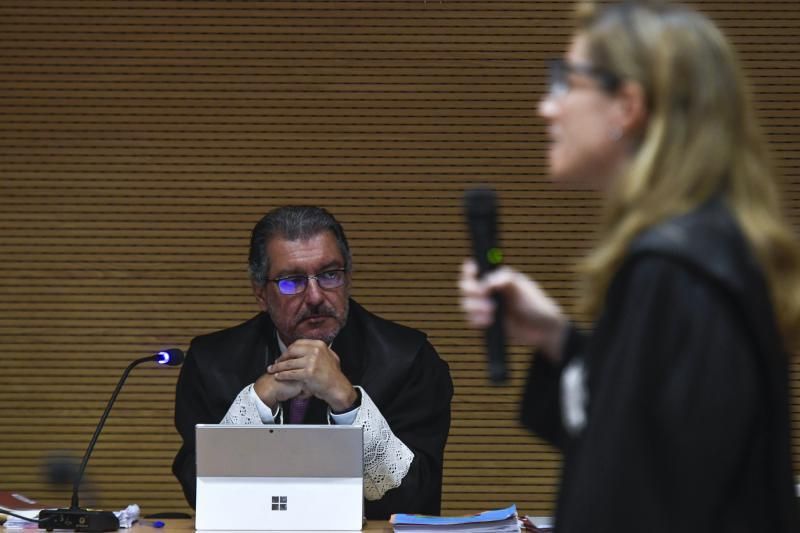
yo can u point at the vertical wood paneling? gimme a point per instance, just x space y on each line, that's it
141 140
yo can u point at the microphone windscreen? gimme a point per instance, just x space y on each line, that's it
171 357
480 206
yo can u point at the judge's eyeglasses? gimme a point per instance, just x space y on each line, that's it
297 283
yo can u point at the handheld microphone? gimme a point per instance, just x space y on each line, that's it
75 517
480 207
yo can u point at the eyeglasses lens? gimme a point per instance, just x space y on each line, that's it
330 280
558 78
293 285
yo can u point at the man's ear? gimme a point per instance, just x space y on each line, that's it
632 108
260 292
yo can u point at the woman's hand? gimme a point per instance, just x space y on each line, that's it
531 317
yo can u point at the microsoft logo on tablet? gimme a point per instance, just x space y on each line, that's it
279 503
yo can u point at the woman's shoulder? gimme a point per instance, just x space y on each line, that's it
707 239
710 224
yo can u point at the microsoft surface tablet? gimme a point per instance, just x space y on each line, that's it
279 478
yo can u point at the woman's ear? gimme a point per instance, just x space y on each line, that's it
632 108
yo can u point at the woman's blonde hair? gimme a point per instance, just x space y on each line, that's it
701 139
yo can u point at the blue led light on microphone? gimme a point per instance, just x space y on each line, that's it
171 357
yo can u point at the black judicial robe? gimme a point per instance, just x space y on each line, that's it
396 365
687 424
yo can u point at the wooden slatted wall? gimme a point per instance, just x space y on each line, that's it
141 140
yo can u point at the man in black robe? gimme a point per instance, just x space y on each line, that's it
314 355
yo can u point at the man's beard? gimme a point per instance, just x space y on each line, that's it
322 310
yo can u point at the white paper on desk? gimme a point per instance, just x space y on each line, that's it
128 516
12 522
541 521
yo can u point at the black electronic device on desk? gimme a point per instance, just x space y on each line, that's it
75 517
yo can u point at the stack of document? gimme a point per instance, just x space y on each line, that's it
496 521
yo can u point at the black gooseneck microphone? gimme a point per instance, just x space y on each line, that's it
79 519
480 206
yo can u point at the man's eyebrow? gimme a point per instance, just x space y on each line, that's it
288 273
333 265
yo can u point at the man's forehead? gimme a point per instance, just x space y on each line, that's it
317 251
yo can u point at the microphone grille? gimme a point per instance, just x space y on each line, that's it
170 357
480 202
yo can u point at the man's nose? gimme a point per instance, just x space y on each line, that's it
313 291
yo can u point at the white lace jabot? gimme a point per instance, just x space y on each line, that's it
386 458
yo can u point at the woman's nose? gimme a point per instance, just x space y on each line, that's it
548 107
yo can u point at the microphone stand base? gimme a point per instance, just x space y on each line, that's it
78 520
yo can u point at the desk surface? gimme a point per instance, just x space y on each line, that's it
182 526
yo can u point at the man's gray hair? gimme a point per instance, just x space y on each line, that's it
293 222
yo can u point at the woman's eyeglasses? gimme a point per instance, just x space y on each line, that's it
560 71
330 279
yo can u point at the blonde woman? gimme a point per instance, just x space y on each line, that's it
672 410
